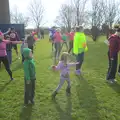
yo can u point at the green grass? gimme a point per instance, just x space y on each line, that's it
91 99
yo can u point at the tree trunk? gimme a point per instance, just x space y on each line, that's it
4 12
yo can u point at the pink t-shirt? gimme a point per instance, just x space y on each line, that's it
57 37
3 48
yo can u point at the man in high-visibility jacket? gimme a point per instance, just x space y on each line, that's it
79 47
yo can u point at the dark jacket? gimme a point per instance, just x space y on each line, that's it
114 46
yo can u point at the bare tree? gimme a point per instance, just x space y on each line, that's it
18 18
36 11
79 10
64 19
111 11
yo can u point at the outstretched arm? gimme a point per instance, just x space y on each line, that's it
58 67
16 42
72 64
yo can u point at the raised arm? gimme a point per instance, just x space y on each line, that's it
16 42
72 64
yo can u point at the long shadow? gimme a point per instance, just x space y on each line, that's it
115 87
17 67
87 99
1 89
64 115
26 113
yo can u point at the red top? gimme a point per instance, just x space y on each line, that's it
71 35
114 46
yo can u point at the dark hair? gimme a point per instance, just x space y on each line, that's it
79 28
12 28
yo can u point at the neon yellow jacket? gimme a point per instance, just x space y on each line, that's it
80 44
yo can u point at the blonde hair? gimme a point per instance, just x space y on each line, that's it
64 57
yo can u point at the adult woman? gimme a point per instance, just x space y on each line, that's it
57 43
3 53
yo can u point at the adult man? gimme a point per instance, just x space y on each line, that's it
79 47
14 37
114 47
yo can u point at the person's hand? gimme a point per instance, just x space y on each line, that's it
111 59
28 82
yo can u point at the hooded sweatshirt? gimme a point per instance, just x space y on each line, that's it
29 65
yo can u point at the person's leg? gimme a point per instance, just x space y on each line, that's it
119 69
70 46
59 87
80 59
56 50
62 45
68 86
59 49
32 91
16 49
9 57
23 58
26 93
7 66
112 68
66 45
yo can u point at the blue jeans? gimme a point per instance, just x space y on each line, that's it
80 59
9 55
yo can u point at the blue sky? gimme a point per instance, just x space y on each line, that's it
51 8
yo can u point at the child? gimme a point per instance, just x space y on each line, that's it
29 75
64 38
24 45
64 67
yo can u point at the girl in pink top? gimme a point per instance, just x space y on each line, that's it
3 53
57 43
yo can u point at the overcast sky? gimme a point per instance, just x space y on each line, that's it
51 8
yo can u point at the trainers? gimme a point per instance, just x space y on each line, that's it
68 90
77 72
12 79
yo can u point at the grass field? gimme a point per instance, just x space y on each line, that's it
91 99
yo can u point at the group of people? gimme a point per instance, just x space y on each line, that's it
59 39
79 45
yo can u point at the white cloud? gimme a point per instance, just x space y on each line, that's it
51 8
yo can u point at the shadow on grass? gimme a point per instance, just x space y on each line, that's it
15 60
87 99
64 115
18 67
26 113
1 89
115 87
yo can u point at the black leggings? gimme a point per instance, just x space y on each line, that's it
6 64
